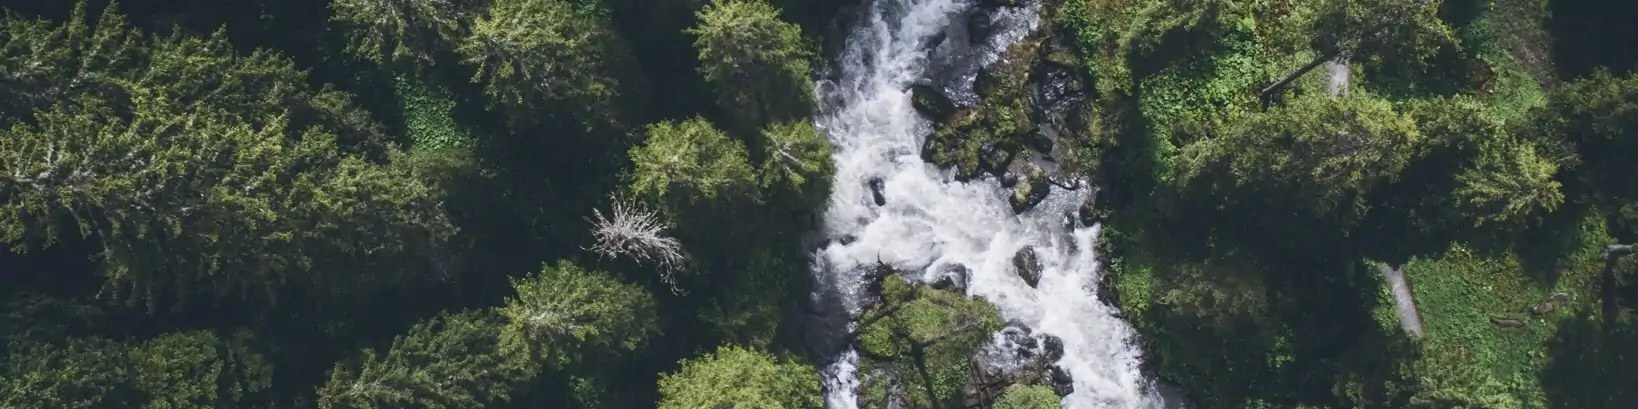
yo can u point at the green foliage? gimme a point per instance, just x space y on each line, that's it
1027 397
1503 177
924 339
758 63
429 116
202 173
1373 27
532 54
740 378
452 361
79 374
1595 116
689 162
797 160
406 32
187 370
1325 153
567 313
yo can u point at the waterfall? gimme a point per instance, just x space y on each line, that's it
930 220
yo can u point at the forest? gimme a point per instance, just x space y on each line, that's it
463 204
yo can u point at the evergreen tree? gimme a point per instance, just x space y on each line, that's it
740 378
1322 154
187 370
207 172
758 63
406 32
1594 117
452 361
565 314
690 162
533 54
87 373
797 161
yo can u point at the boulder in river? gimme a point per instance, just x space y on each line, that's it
1062 384
1031 190
930 101
979 26
1028 266
1052 348
995 4
1017 356
1088 210
876 185
953 277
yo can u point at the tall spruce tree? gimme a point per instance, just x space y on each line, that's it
200 171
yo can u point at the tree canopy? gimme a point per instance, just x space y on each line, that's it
741 378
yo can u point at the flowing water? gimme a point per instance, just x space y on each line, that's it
930 221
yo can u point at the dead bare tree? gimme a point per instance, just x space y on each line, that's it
632 231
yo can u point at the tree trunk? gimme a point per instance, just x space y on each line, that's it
1268 93
1404 302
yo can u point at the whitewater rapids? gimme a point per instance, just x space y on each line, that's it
929 220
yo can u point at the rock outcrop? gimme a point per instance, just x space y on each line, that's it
876 194
1033 186
979 26
930 101
953 277
1028 266
1017 356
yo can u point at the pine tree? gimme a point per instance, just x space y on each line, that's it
401 32
740 378
78 373
797 161
452 361
205 172
195 369
566 314
690 162
758 63
533 54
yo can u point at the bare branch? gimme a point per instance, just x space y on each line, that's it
635 232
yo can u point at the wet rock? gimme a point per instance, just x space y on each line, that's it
979 26
994 159
1088 211
1039 141
1031 190
953 277
1062 384
847 239
1019 340
930 101
995 4
936 40
1028 266
1009 180
1052 348
876 186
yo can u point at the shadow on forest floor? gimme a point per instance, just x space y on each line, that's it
1591 365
